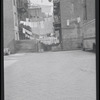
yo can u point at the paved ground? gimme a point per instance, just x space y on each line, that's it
68 75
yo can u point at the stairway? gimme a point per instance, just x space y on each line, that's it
25 46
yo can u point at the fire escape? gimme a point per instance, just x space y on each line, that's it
22 8
57 18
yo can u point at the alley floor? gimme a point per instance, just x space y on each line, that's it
65 75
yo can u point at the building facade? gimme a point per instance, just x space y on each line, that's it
13 11
10 24
40 23
69 16
35 13
22 9
89 27
89 10
57 19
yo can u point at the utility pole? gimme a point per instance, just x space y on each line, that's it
85 9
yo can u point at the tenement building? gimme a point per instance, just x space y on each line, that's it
69 17
12 12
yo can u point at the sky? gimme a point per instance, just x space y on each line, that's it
41 2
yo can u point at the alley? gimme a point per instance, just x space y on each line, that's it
65 75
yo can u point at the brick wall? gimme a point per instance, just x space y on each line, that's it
65 8
71 40
24 46
70 9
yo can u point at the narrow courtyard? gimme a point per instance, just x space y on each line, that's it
65 75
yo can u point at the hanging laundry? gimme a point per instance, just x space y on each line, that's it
23 30
21 22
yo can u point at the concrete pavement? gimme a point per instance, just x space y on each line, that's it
67 75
